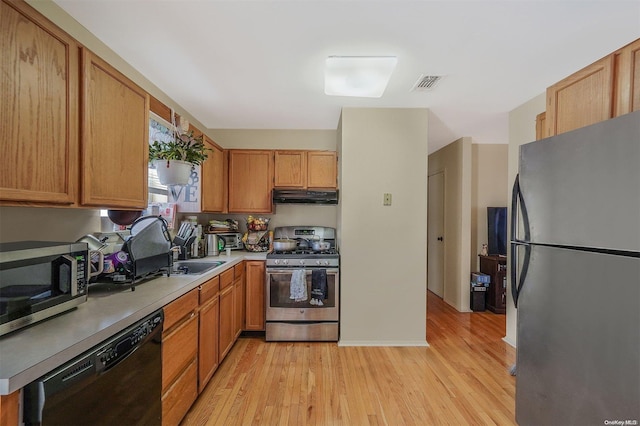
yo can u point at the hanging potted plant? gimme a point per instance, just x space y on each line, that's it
174 159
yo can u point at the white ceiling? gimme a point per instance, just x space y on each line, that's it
259 64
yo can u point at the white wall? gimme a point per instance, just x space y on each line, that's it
383 248
522 129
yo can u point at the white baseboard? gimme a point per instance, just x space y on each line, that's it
509 341
383 343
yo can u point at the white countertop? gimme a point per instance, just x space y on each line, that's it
32 352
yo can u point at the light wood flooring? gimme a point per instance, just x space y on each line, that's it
462 378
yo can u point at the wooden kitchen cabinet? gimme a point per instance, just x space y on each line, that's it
583 98
305 169
608 88
322 169
214 179
209 331
290 169
496 268
238 300
255 275
250 181
39 103
227 319
541 123
179 357
10 409
114 158
627 79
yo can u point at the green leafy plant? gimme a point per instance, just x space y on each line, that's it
185 147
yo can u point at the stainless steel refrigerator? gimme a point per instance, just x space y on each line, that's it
575 276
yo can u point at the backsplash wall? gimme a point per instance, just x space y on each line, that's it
47 224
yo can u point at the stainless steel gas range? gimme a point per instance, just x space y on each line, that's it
303 287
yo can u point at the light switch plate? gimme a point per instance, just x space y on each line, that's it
387 199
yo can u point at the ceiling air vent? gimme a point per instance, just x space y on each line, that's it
426 83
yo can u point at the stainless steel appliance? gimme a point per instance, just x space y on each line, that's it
575 274
303 287
232 240
40 279
118 382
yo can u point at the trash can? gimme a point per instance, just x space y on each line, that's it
479 284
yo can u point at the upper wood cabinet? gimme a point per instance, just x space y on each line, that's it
605 89
39 104
214 179
250 181
581 99
305 169
322 171
541 126
627 79
115 137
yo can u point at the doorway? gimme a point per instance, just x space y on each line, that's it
435 234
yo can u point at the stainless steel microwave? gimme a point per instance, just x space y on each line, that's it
232 240
40 279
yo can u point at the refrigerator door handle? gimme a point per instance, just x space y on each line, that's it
517 204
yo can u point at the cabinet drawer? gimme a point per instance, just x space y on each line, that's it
209 289
178 349
179 308
226 278
239 270
179 398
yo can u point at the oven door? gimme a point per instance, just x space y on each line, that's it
281 307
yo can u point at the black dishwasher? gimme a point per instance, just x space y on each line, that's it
118 382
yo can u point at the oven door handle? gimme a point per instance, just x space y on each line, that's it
308 270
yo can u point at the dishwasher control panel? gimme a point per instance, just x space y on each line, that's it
118 348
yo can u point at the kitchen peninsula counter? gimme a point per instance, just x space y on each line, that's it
29 353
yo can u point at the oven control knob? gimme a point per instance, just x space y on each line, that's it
277 261
302 261
318 262
326 262
285 261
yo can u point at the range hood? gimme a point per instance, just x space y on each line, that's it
302 196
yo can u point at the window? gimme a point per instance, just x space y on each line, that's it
159 130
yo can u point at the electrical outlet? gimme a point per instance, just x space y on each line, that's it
387 199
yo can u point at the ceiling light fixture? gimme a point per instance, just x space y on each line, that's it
361 76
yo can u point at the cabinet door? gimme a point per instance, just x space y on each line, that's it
322 169
541 126
179 348
581 99
177 401
628 79
250 181
255 290
238 307
115 137
208 341
213 179
290 169
39 103
10 409
226 322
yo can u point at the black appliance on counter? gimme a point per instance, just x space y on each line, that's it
118 382
303 287
145 253
40 279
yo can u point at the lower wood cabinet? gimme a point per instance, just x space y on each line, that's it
227 330
10 409
255 276
238 300
209 331
179 358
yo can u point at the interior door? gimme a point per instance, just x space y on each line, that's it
435 234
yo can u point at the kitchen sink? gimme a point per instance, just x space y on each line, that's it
194 268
